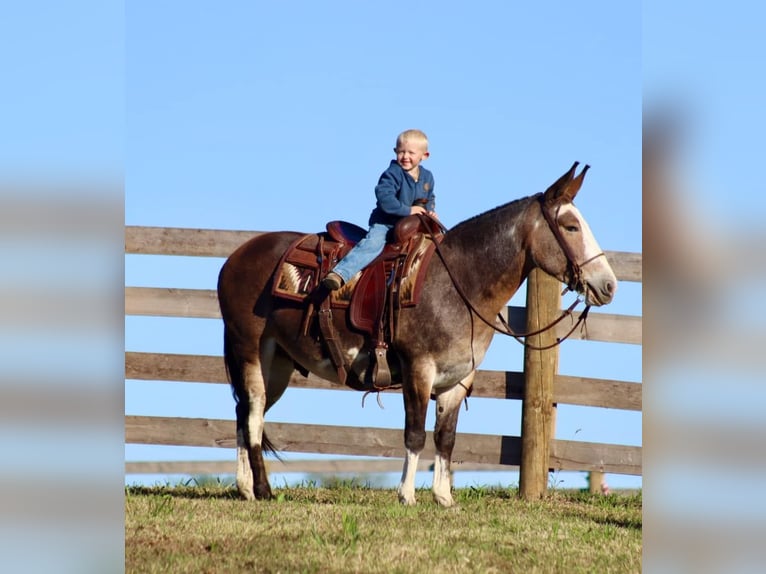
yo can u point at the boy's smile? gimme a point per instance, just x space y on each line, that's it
409 154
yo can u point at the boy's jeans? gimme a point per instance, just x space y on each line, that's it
363 252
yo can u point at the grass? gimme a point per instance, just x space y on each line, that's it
353 528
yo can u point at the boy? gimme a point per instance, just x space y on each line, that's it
399 188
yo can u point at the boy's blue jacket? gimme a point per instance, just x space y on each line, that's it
397 191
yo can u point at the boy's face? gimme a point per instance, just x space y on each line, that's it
410 153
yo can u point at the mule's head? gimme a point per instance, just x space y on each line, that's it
565 247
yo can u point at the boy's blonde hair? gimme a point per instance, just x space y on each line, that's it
413 135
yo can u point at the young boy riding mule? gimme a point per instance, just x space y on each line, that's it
439 343
405 188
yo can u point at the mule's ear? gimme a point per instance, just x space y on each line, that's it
557 189
573 186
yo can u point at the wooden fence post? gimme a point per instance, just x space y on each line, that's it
537 416
595 480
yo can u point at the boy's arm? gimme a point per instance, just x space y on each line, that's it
431 205
386 193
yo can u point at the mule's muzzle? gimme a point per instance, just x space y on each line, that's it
598 283
600 292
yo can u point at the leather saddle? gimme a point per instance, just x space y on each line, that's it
373 297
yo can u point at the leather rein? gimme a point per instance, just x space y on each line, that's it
576 278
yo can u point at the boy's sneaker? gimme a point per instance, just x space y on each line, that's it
333 281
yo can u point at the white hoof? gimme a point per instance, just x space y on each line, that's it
405 497
445 501
246 492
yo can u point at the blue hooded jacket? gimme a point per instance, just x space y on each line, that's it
397 191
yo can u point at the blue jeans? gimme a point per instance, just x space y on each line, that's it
363 252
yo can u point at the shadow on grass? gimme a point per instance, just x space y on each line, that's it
619 510
182 491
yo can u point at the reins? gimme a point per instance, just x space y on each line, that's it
506 328
576 278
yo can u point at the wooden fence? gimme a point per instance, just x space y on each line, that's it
539 386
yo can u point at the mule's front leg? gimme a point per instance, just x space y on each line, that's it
416 395
447 411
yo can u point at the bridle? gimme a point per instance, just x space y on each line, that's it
575 279
575 268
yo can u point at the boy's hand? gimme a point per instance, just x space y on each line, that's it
415 209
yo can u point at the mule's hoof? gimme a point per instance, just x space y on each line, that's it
263 492
246 494
445 501
407 499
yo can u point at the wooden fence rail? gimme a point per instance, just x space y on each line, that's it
326 439
203 304
221 243
488 384
303 466
472 451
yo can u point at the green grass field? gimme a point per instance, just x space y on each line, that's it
353 528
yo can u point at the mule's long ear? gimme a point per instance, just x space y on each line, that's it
558 187
571 188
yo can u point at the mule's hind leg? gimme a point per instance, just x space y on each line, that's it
254 403
244 472
265 381
416 396
253 400
447 411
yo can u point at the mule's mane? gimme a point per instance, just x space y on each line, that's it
493 218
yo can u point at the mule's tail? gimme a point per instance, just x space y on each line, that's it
235 374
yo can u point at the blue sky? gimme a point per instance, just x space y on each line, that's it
282 116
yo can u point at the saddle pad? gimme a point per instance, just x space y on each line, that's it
298 273
414 269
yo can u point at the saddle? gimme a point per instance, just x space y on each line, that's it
371 299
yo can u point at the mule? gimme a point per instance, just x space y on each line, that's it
439 343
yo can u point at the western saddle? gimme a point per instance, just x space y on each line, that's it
371 299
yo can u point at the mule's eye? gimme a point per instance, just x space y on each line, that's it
572 228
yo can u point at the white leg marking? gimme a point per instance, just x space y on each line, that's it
256 393
442 487
244 472
447 403
255 419
406 488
